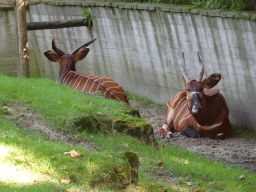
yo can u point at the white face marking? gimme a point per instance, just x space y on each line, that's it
194 109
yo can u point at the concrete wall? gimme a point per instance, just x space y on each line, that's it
9 45
139 46
8 41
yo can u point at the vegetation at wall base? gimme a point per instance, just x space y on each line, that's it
34 160
233 5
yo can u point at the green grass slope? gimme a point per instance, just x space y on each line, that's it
31 161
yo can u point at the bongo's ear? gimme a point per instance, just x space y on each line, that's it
212 80
52 56
81 54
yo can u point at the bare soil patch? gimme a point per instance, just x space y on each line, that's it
26 118
233 150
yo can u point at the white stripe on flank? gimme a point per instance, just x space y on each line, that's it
76 81
184 116
70 82
92 86
177 96
95 79
168 106
79 82
180 102
64 77
179 113
68 76
170 116
85 84
98 87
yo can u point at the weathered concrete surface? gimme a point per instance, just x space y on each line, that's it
8 41
140 46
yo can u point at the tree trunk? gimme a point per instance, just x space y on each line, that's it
22 38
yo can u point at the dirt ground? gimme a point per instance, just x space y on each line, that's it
231 151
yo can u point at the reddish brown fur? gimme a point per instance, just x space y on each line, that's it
87 83
209 119
215 111
83 81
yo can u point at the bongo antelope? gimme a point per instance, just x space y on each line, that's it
85 82
198 111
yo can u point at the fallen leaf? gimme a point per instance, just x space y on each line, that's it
98 112
72 153
22 140
160 188
54 157
65 181
160 163
7 108
151 185
174 187
75 190
91 103
126 145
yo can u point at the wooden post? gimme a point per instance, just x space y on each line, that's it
22 39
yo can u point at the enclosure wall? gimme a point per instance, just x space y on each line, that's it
8 41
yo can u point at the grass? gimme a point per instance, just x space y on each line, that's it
242 132
144 101
233 5
60 106
36 163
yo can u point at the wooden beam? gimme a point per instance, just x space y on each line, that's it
56 24
10 3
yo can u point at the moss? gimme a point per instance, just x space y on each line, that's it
129 110
133 162
116 176
120 125
85 123
131 158
139 129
